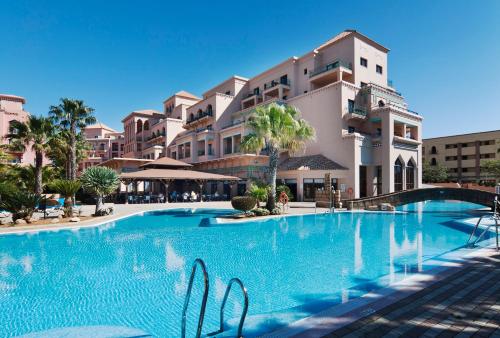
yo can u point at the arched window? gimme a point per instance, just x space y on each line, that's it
163 131
146 125
139 126
398 175
101 146
433 150
191 117
381 103
200 112
410 175
209 110
433 161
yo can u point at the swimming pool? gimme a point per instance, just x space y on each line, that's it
134 272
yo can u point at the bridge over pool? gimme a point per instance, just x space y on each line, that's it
417 195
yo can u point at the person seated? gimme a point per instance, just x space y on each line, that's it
194 196
185 196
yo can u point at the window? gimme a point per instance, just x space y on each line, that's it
227 144
237 142
310 185
174 155
433 161
350 106
351 129
433 150
410 175
305 71
379 69
256 91
363 62
187 150
210 149
228 92
363 84
398 175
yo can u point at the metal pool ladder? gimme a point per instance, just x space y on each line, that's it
496 217
199 262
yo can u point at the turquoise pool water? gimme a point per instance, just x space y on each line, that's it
134 272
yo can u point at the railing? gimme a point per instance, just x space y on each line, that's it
201 152
197 262
249 95
199 116
276 82
233 123
330 66
356 110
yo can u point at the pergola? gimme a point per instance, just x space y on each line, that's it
167 176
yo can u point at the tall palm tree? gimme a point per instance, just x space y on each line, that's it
277 128
72 116
36 132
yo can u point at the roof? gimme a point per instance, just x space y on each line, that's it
349 32
100 125
13 98
311 162
164 162
124 159
184 94
144 112
458 135
175 174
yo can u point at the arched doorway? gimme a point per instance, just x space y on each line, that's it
410 175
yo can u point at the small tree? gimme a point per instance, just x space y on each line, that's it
492 167
67 189
434 173
21 204
258 192
100 182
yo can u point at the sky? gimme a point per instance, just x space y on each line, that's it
120 56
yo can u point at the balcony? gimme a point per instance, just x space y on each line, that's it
198 118
357 113
251 100
277 89
330 67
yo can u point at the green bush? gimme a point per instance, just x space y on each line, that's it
243 203
261 212
258 192
21 204
286 189
276 211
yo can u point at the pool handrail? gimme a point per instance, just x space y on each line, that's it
495 217
197 262
243 313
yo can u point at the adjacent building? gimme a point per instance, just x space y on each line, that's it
463 154
12 109
105 143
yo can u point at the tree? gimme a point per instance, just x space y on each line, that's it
492 167
37 133
276 128
67 189
21 204
100 182
24 176
258 192
72 116
434 173
59 151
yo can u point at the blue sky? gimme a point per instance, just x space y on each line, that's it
120 56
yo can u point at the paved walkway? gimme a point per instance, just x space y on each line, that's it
465 304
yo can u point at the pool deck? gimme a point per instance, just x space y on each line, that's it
461 301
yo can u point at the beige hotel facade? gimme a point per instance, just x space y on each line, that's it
366 137
463 154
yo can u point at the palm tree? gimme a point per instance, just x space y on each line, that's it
72 116
59 150
276 128
67 189
37 133
100 182
258 192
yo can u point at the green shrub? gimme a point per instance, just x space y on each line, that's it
243 203
258 192
286 189
261 212
276 211
21 204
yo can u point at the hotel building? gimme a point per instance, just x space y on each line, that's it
463 154
367 138
105 144
11 109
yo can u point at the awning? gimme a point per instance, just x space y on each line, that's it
175 174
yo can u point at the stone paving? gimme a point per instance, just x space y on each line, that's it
464 304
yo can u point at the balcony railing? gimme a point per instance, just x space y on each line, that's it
233 123
330 66
276 82
356 110
200 116
201 152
